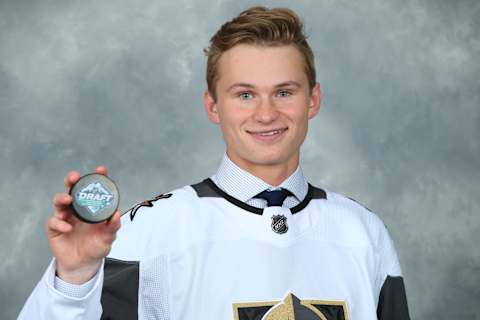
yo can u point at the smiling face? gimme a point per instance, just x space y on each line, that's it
263 106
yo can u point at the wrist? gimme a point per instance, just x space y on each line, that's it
78 275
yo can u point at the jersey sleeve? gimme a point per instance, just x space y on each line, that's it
133 275
392 300
46 302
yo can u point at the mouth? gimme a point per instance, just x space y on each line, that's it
267 135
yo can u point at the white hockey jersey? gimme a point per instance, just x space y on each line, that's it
198 253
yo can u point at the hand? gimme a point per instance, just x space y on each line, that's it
78 247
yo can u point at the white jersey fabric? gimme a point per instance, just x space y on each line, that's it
198 253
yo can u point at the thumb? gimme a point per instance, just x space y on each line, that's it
114 223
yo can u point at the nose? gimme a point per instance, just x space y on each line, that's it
265 111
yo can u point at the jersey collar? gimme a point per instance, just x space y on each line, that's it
207 188
229 174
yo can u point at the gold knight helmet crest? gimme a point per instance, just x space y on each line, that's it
292 308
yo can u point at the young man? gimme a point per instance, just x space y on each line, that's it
254 241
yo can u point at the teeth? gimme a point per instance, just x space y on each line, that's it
271 133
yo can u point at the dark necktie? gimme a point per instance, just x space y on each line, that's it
275 197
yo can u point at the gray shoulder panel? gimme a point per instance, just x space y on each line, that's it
120 290
392 303
317 193
203 189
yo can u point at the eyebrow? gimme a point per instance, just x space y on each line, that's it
248 85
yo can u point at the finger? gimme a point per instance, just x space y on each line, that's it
113 224
108 229
55 226
71 178
62 205
101 170
62 201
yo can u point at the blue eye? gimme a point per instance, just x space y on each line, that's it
283 93
245 95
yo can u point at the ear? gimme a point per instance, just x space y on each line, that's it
315 100
210 106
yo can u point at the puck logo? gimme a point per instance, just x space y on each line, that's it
94 197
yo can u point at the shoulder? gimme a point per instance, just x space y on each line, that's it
349 208
350 222
157 222
356 225
156 207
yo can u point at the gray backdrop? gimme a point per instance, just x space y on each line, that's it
120 83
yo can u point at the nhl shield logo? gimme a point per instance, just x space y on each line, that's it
279 224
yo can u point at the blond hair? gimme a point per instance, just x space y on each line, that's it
263 27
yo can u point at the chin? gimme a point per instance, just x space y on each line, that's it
269 159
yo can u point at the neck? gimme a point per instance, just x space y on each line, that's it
272 173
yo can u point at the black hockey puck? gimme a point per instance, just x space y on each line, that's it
95 198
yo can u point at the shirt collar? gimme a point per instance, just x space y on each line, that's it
229 174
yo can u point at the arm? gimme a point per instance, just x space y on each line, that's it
392 299
79 250
46 302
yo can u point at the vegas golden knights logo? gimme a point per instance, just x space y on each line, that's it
291 308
